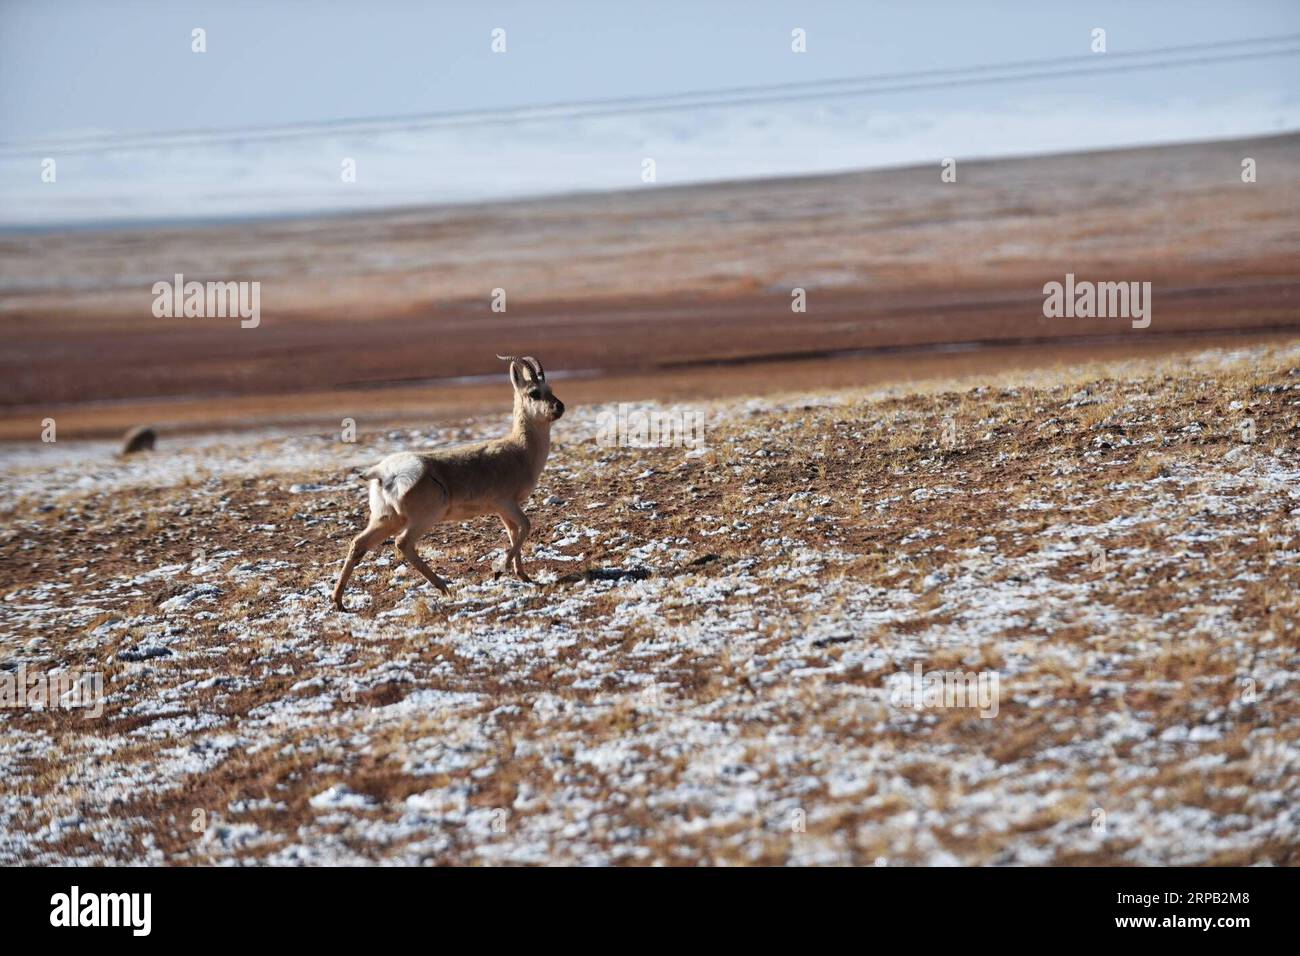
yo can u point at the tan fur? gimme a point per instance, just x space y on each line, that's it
410 493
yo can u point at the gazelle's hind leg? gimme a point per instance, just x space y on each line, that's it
406 547
423 506
383 522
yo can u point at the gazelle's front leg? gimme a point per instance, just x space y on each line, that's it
517 527
503 563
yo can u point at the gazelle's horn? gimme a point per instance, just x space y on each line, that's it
530 364
538 372
523 363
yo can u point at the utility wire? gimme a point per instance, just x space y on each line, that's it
1098 64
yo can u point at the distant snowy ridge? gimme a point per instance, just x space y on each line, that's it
304 175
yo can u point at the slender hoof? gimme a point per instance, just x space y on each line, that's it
338 604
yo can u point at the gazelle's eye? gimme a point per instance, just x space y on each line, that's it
535 393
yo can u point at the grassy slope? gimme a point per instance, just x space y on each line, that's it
730 704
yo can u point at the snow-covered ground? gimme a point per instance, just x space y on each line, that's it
716 664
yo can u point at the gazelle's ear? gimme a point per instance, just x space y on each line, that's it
517 376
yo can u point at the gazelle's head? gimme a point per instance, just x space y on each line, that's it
534 400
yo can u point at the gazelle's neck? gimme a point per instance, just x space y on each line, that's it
534 434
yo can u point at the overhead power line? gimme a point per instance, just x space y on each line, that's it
839 88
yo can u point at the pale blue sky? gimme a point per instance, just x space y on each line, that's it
81 65
76 67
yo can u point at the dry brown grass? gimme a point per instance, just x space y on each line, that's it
687 717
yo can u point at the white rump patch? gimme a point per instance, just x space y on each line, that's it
397 474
